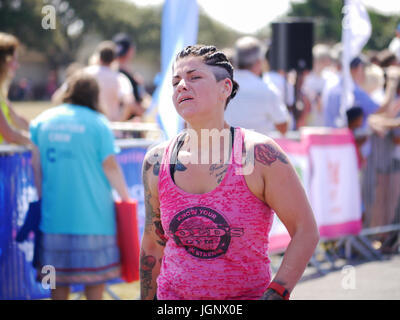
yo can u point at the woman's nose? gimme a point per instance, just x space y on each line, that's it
181 85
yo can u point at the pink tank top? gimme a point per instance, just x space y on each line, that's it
217 242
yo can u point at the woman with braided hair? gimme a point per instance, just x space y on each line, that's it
208 214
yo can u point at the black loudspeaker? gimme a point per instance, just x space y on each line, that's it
291 45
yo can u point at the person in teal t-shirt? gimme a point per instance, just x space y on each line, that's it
79 169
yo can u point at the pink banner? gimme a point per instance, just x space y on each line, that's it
341 229
326 162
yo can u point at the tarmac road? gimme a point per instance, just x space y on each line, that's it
375 280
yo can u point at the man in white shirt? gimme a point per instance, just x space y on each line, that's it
315 82
257 105
394 46
279 81
116 92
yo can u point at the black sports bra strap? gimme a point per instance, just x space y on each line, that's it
178 146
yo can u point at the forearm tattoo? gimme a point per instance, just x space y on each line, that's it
268 154
147 264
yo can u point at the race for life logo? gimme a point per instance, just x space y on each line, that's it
203 232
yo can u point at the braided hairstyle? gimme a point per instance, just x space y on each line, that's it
215 59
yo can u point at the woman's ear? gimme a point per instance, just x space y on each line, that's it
227 87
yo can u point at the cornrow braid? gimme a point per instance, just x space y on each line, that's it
211 56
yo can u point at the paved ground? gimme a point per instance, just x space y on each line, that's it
376 280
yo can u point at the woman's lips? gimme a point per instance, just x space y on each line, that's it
184 99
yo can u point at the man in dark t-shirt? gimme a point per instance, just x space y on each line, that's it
126 50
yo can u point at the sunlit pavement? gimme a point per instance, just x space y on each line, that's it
375 280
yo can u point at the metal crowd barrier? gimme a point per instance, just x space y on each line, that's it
380 197
381 192
17 276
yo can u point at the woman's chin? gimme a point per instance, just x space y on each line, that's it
188 113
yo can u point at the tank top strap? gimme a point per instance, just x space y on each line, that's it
166 157
236 160
238 145
166 161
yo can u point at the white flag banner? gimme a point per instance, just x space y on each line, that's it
179 29
356 31
356 26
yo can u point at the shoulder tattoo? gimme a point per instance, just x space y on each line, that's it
155 161
268 154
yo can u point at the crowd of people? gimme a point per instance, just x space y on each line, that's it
271 100
232 89
75 169
122 92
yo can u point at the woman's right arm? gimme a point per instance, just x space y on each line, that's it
153 241
19 121
11 135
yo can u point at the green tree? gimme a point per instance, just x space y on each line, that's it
24 20
383 30
328 16
76 18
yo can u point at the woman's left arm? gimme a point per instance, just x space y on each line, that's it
286 196
114 174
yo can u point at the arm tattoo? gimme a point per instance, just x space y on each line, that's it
153 215
154 159
160 233
219 170
147 165
267 154
156 169
147 264
150 213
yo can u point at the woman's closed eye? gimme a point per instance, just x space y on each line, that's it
175 83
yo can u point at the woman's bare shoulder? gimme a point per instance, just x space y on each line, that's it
263 149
